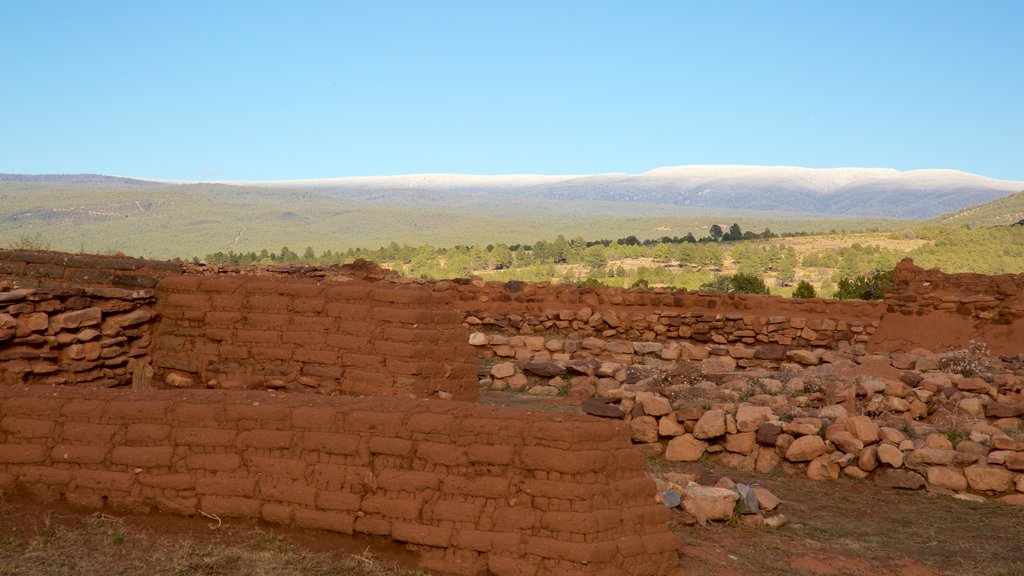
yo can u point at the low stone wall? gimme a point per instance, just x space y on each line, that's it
75 335
937 311
38 268
513 308
327 335
471 488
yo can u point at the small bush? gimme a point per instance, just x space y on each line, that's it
739 283
804 290
870 287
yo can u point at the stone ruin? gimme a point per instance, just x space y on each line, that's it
343 398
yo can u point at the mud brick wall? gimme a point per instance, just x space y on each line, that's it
938 311
514 308
472 488
351 336
93 336
36 268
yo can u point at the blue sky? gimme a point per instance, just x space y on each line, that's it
273 90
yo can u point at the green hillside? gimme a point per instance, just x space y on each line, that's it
1002 211
168 221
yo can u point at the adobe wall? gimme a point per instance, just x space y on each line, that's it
38 268
472 488
330 335
937 311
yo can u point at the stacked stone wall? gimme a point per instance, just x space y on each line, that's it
472 488
938 311
327 335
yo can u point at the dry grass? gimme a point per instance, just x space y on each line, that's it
46 543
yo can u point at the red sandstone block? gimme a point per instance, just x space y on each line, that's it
501 455
233 352
187 300
143 456
348 310
391 507
418 534
22 453
369 367
574 522
375 423
178 506
87 433
84 499
424 335
496 429
330 442
515 519
302 494
408 480
355 327
319 520
373 525
168 481
308 305
401 295
353 477
43 475
277 513
104 481
582 553
511 565
221 319
402 315
662 542
404 367
478 486
26 427
265 439
79 453
305 337
268 302
629 487
203 437
336 500
316 356
226 302
220 334
447 510
45 407
399 349
230 507
427 423
147 433
315 418
390 446
272 353
227 462
258 336
314 324
226 486
80 408
561 490
276 467
267 320
563 461
136 410
440 453
198 415
262 412
478 540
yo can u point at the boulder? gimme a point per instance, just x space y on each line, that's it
543 368
988 479
863 429
685 448
709 503
893 478
948 478
823 468
741 442
503 370
710 425
749 418
1005 409
802 426
596 407
805 448
644 429
922 458
891 455
654 405
669 426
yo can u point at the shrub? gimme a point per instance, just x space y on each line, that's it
804 290
739 283
870 287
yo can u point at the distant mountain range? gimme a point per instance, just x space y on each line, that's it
847 192
915 194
